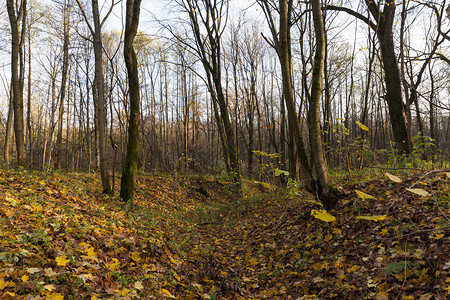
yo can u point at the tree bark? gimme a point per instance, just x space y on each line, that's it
101 106
131 161
315 132
62 94
17 85
284 53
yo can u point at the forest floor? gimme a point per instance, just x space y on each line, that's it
191 237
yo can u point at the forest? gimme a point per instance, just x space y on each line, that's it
223 149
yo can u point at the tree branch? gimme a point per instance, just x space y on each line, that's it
352 13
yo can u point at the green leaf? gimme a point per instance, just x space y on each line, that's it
397 267
322 215
362 126
278 172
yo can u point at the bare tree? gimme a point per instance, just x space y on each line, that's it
382 22
96 32
208 21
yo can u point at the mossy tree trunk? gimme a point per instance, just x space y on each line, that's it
131 161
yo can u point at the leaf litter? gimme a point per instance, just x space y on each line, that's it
192 238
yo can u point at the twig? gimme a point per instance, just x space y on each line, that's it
428 173
424 230
405 168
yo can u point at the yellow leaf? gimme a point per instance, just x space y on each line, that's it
372 218
138 285
135 256
362 126
90 251
42 182
6 284
253 261
166 293
56 296
364 196
174 261
419 192
337 231
25 278
393 178
11 294
12 202
61 260
114 265
353 269
384 231
436 236
322 215
338 264
123 292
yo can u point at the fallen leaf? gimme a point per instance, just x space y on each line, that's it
135 256
50 273
123 292
372 218
61 260
426 296
49 287
6 284
382 296
393 178
419 192
90 251
436 236
138 285
25 278
33 270
166 293
56 296
364 196
322 215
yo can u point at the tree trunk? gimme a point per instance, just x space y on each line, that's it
9 123
394 99
131 161
62 94
101 107
315 133
17 86
283 50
